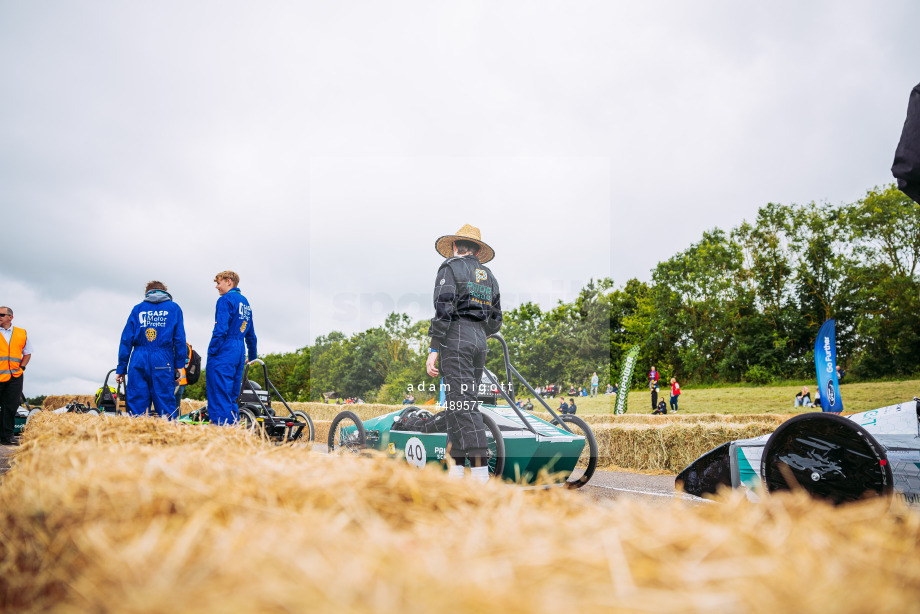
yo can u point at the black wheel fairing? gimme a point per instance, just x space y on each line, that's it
829 456
704 475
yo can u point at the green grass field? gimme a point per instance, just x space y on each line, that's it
752 400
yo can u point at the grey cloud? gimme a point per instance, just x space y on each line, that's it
175 140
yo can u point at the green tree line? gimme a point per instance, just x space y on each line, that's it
739 305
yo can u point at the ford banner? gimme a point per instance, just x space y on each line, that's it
826 366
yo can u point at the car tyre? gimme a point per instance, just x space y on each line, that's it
590 461
496 448
309 430
357 441
248 419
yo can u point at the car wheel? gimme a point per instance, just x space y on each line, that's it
496 446
308 434
587 461
248 419
346 433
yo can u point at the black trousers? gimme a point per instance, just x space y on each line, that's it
10 395
654 398
462 357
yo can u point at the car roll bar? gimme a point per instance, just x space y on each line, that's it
269 387
509 394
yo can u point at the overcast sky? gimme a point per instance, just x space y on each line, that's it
320 149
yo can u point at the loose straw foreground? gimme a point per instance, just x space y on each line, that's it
126 515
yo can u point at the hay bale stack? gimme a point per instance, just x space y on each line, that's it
775 419
666 447
365 411
189 405
592 419
126 526
56 401
316 411
322 430
56 430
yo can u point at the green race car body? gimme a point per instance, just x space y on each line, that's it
526 453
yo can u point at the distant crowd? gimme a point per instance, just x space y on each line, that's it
346 401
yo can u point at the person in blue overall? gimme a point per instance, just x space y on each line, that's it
151 351
226 352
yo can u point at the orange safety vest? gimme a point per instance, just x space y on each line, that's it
11 355
182 379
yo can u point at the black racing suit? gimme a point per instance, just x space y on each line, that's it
467 309
906 167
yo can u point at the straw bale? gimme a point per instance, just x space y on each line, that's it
56 401
365 411
666 447
190 405
104 525
322 430
49 429
316 411
592 419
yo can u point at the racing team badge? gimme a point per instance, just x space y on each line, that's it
151 334
243 327
481 275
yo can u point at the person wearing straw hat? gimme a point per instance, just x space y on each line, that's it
467 309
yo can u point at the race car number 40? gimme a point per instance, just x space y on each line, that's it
415 452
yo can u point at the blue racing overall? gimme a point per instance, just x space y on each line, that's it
154 342
227 356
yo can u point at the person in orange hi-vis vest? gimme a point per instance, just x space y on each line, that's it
182 380
15 354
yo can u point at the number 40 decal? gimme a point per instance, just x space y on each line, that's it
415 452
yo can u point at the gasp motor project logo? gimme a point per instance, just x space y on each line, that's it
151 334
153 318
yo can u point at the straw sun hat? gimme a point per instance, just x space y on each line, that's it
467 233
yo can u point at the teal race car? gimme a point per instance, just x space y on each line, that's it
521 445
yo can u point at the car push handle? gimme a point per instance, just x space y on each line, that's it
244 385
269 386
542 402
504 345
510 370
511 402
119 390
